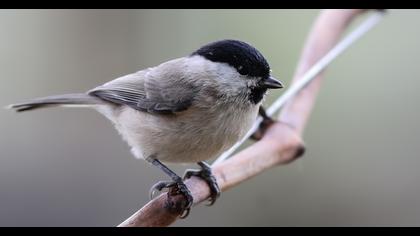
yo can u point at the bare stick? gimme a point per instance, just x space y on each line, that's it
280 144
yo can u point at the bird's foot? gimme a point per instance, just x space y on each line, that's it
206 174
266 122
175 188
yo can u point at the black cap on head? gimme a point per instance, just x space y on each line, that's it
243 57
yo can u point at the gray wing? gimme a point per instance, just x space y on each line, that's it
149 92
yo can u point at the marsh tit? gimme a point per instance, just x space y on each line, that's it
189 109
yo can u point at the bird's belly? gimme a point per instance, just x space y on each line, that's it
188 137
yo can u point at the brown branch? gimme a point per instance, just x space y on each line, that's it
281 143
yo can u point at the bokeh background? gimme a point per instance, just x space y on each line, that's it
69 167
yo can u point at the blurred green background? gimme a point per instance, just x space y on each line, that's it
69 167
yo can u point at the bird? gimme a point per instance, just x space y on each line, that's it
185 110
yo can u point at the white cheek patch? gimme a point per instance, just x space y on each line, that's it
251 82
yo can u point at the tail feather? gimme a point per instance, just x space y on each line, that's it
57 100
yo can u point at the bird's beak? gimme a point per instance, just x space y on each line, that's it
272 83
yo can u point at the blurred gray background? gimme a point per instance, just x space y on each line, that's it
69 167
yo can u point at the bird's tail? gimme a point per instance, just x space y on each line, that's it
76 99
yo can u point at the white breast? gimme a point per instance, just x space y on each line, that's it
192 136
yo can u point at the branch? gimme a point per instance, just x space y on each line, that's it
281 143
324 35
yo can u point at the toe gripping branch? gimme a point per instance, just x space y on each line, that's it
177 187
206 174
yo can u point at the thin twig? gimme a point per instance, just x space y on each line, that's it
280 144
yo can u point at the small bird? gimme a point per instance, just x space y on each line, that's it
188 109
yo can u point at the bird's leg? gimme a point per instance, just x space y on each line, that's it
266 122
177 184
206 174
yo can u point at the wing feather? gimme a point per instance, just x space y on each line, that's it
149 91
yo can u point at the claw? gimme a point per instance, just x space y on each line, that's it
211 201
175 187
185 213
206 174
182 189
151 193
178 188
159 186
